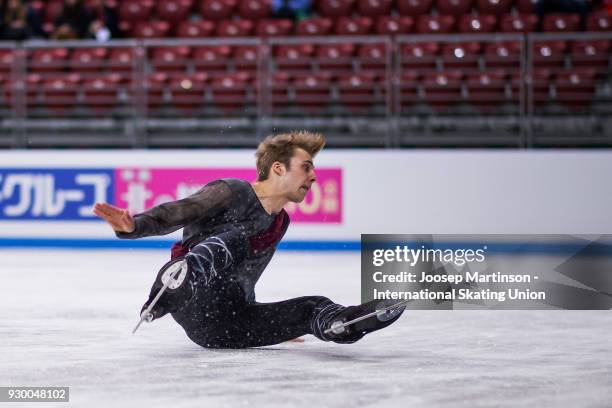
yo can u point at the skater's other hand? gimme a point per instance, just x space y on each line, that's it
118 218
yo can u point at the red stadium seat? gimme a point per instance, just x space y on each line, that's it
155 29
526 6
600 21
101 93
195 29
230 91
60 93
6 92
558 22
374 57
540 84
294 57
505 54
88 59
49 60
170 59
389 25
486 89
461 55
477 24
421 55
279 87
442 89
217 9
495 7
374 8
314 26
414 8
409 84
246 57
6 60
174 11
187 91
336 57
336 8
435 24
357 91
121 59
453 7
33 84
212 58
312 91
254 9
234 28
511 23
126 28
549 53
575 88
272 28
155 84
136 10
354 25
591 53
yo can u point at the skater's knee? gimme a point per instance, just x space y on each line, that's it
320 301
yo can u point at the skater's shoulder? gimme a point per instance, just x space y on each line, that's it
236 185
228 184
240 189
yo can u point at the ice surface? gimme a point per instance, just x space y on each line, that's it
66 318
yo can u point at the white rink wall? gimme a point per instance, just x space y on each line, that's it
433 192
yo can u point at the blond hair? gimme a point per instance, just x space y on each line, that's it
280 148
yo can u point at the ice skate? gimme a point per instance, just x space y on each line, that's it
354 322
173 287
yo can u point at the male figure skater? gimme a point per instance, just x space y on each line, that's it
230 231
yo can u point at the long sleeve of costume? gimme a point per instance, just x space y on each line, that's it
163 219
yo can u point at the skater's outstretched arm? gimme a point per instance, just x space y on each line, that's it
165 218
119 219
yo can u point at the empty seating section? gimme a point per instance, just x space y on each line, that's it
206 18
348 56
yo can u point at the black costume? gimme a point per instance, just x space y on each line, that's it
228 240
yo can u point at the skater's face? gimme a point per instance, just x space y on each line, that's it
299 177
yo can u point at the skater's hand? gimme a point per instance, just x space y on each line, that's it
118 218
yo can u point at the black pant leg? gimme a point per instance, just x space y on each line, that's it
264 324
219 317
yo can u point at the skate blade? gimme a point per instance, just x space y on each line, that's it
146 315
385 313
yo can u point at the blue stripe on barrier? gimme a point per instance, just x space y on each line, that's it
289 245
93 243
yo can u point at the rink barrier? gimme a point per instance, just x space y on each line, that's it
542 248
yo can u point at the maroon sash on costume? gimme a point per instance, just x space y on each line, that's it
272 235
258 243
178 250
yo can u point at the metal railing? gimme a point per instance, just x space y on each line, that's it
423 90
